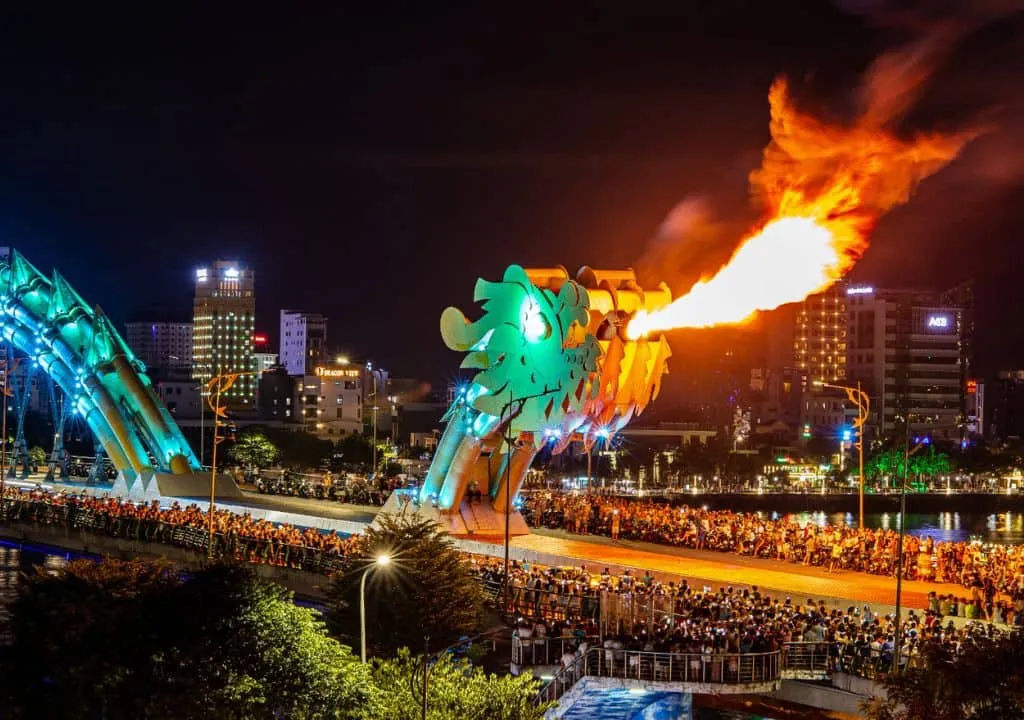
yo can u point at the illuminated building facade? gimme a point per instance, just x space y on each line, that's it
160 345
909 351
330 399
222 341
819 338
303 341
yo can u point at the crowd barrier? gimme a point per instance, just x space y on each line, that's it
190 537
695 668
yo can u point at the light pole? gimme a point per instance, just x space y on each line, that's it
373 378
8 368
507 409
216 385
862 401
382 560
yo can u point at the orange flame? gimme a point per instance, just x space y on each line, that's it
823 187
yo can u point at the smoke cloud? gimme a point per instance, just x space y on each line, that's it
807 154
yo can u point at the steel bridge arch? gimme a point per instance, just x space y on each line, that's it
78 347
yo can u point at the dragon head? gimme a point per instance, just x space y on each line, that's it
531 350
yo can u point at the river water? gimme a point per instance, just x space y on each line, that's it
1006 527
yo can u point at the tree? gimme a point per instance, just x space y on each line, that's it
253 449
984 681
427 589
887 463
36 456
355 449
930 463
134 640
455 689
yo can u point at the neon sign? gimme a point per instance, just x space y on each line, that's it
938 321
329 372
862 290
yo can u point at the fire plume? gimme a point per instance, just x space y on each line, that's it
823 188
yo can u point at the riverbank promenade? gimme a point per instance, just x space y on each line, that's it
557 548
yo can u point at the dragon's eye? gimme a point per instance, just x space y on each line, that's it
535 325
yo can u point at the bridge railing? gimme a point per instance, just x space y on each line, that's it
697 668
807 660
185 536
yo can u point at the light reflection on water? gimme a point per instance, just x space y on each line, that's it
1005 527
13 562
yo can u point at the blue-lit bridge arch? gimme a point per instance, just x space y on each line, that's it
78 347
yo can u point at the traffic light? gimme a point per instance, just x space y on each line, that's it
846 435
807 431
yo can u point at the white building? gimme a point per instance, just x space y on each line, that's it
330 399
264 361
303 341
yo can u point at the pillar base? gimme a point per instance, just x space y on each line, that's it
148 486
477 519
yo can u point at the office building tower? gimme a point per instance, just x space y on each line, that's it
819 336
907 348
161 345
222 340
303 341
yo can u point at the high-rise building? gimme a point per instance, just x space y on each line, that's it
303 341
222 340
907 348
161 345
819 336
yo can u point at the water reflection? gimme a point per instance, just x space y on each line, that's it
14 561
1006 527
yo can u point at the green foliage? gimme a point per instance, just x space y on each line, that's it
455 689
355 448
984 682
253 449
427 590
926 463
135 640
37 456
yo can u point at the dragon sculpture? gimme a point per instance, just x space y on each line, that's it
553 366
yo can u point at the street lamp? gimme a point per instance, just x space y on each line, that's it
862 402
217 385
382 560
506 410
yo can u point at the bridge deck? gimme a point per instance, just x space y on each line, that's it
715 568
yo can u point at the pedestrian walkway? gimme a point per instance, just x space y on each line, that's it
717 569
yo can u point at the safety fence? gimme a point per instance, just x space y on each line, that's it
73 517
694 668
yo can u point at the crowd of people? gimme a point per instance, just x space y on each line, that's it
988 571
239 536
626 612
645 614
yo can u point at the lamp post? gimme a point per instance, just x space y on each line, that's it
373 378
215 386
862 401
8 367
382 560
507 410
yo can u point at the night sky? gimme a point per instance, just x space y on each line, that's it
370 160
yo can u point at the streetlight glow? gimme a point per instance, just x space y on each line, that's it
383 559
